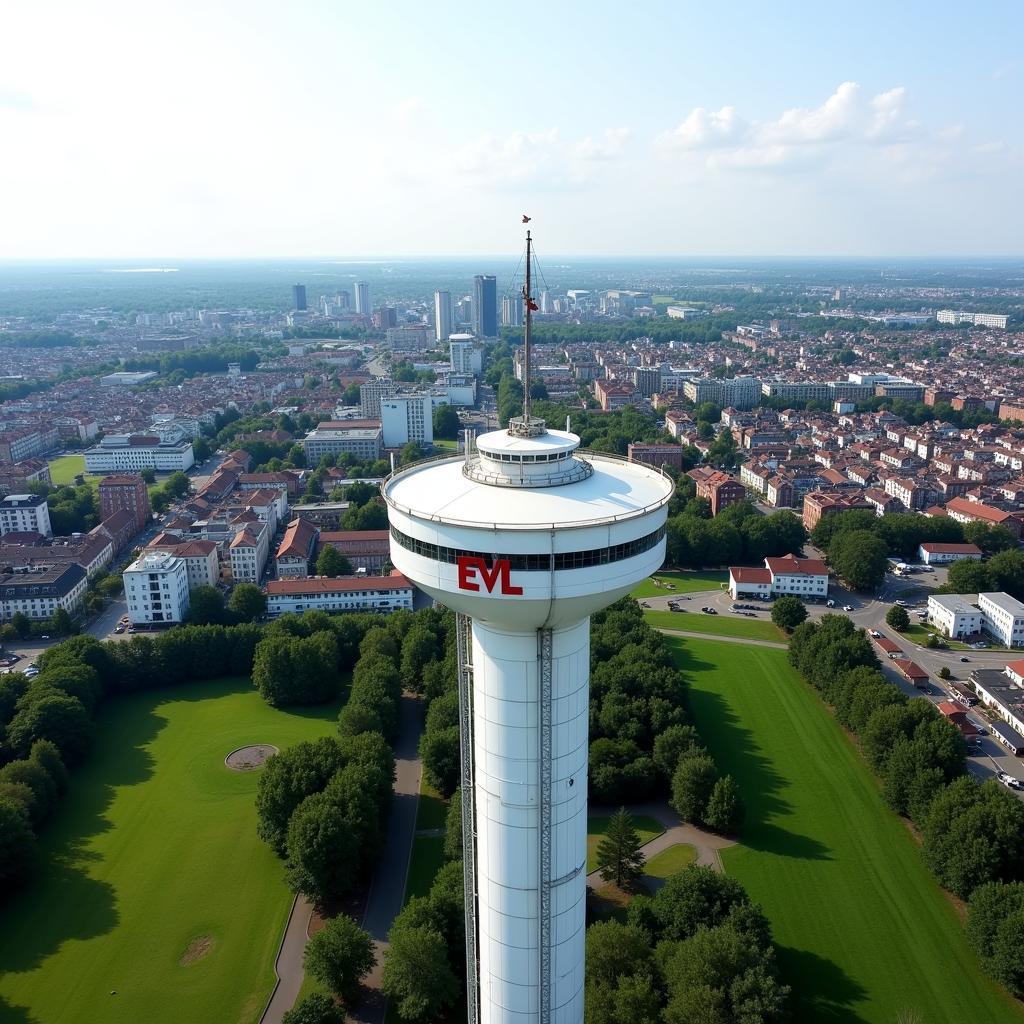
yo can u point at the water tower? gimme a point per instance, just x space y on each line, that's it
524 538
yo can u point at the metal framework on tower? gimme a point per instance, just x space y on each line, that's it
545 657
526 425
464 651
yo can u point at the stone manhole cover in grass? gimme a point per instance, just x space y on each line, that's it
247 759
196 950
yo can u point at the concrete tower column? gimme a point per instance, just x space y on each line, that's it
512 788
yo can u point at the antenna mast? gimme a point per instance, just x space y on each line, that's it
526 333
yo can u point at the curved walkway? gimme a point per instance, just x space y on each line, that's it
288 966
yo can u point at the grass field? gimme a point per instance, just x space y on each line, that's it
154 848
67 467
918 634
431 809
682 583
647 829
671 861
426 860
865 933
717 625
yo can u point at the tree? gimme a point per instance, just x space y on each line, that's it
148 474
673 743
331 562
22 625
439 750
989 538
944 672
51 715
859 557
968 577
247 602
16 842
898 618
289 670
724 812
692 785
201 449
60 623
453 827
418 974
339 956
618 854
205 606
322 850
446 422
316 1008
411 452
788 612
615 949
995 927
1007 571
177 484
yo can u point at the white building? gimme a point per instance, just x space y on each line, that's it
686 313
465 356
460 389
371 393
934 553
343 594
156 588
362 443
118 453
443 322
25 513
956 615
199 556
1003 618
959 316
802 577
406 418
960 615
362 297
248 552
39 594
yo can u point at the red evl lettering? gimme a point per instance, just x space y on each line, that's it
472 568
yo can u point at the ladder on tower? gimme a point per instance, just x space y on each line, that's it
464 650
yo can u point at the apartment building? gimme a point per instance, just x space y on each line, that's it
248 551
38 593
721 489
126 491
963 615
657 454
366 444
200 557
25 513
296 551
406 418
344 594
156 589
803 577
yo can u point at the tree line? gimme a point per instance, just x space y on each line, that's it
972 833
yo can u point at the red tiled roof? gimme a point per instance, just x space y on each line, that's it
749 574
298 539
327 536
336 585
910 668
887 645
789 564
935 548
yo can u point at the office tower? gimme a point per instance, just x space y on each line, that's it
512 311
485 306
362 293
299 296
442 315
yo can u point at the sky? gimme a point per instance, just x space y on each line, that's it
335 129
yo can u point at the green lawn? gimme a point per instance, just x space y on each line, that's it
865 932
647 829
671 861
432 808
681 583
918 634
760 628
427 859
155 847
67 467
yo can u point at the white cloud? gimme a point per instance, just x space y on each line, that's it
798 137
608 148
705 129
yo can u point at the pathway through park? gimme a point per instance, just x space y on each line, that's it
387 890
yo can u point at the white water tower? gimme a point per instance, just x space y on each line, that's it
525 539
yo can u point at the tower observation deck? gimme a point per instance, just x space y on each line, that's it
524 539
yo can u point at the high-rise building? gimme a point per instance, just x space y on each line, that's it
485 306
156 588
443 325
546 305
362 295
464 356
125 491
299 296
406 418
582 530
512 311
371 393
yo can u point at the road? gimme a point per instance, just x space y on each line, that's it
868 612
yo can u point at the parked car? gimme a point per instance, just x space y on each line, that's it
830 603
1009 781
847 607
965 659
874 633
31 672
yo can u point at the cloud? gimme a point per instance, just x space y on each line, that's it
409 108
798 137
608 148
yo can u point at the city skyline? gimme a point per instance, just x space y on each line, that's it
690 135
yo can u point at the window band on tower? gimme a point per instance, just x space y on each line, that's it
534 562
